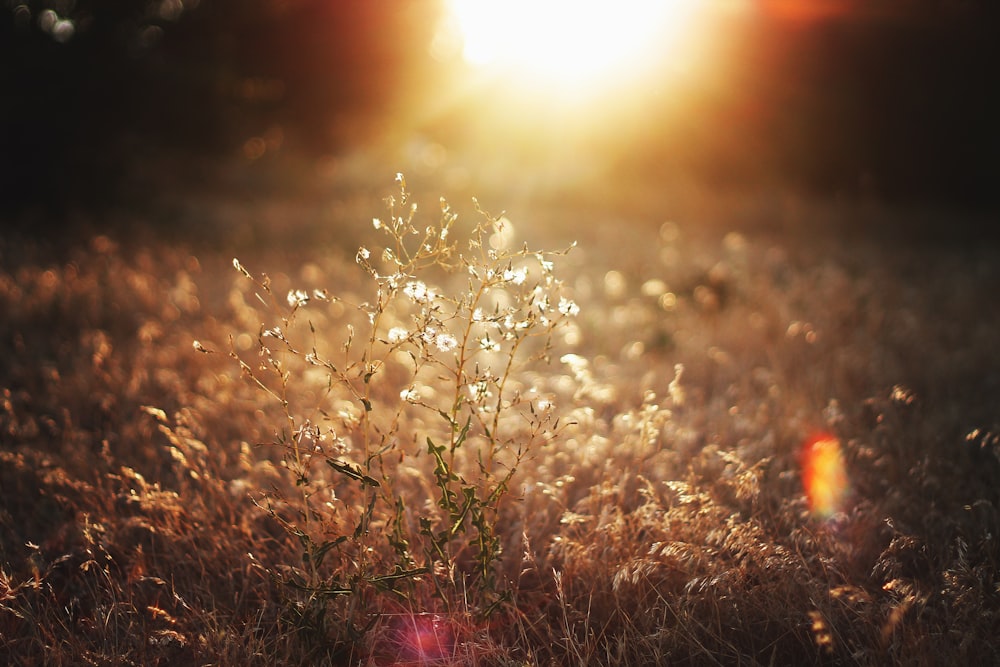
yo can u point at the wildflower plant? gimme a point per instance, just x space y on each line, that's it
402 436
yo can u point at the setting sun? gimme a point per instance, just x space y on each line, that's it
570 44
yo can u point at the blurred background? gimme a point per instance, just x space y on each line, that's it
160 107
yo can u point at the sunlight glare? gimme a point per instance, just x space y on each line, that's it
419 639
569 43
824 475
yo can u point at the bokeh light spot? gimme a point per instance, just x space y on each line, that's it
615 285
61 29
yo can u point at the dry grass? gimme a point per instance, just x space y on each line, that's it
667 522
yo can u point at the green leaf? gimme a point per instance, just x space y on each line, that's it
397 574
332 590
352 471
463 433
443 475
366 519
458 518
320 553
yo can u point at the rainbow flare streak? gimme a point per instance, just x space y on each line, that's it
824 475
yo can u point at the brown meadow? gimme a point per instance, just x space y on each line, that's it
327 465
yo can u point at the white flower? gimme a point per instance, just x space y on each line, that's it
409 395
398 335
297 298
376 223
568 307
487 344
516 276
415 290
419 292
428 334
445 342
542 304
510 323
479 391
477 315
363 253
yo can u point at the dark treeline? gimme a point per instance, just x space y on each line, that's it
901 105
894 106
83 102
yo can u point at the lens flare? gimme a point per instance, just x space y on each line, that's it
418 639
824 475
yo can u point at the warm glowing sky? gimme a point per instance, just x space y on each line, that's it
841 94
570 44
575 45
893 97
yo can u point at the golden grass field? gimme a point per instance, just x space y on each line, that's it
642 478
